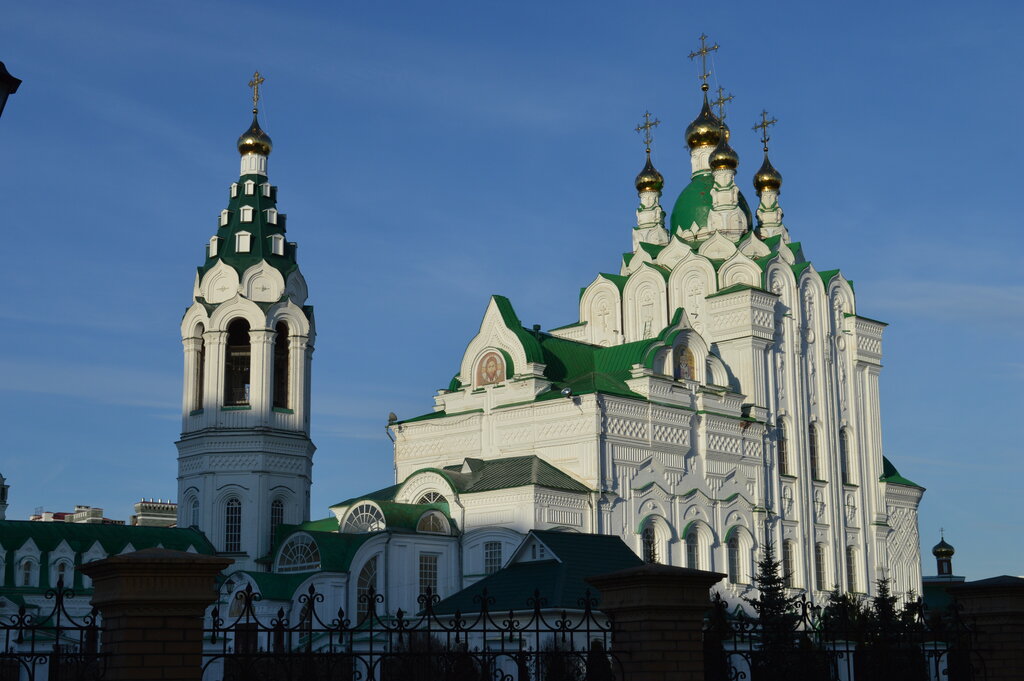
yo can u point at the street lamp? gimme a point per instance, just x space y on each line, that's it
8 86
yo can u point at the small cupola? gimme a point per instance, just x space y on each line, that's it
943 552
767 177
723 157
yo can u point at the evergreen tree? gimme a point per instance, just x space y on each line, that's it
773 607
778 657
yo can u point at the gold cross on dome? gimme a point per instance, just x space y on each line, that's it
703 53
720 102
763 127
255 83
646 128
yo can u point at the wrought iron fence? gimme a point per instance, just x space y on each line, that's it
531 644
53 645
840 643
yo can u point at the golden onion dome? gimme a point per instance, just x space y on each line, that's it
254 140
767 177
706 129
943 550
723 157
649 179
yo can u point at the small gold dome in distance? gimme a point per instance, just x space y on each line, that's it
649 179
767 177
723 157
943 550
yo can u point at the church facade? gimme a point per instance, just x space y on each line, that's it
717 392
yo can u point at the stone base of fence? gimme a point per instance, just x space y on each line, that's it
658 612
152 602
996 606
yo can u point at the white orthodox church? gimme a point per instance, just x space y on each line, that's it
718 392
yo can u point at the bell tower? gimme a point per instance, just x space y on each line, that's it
245 457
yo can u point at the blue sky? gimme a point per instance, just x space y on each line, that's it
430 154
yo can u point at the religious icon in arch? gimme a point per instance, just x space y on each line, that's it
490 369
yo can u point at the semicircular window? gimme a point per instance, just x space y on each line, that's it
365 518
432 498
432 522
299 554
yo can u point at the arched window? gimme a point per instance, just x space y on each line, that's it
233 525
366 587
432 522
851 569
819 567
365 518
199 375
60 574
733 546
781 444
683 367
788 565
812 446
432 498
236 365
692 550
281 363
299 554
649 545
276 515
194 513
844 455
28 572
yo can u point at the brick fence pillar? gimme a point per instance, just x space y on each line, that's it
659 613
152 602
996 606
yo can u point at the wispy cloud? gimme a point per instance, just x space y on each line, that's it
990 304
104 384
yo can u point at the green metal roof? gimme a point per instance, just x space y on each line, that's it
386 494
515 471
560 579
260 229
276 586
81 537
529 342
113 538
337 550
328 524
892 476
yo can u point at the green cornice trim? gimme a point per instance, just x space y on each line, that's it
618 279
869 319
652 249
735 288
568 326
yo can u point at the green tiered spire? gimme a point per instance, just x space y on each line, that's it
252 209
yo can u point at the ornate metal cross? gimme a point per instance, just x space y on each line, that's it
703 53
763 127
646 128
720 102
255 83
